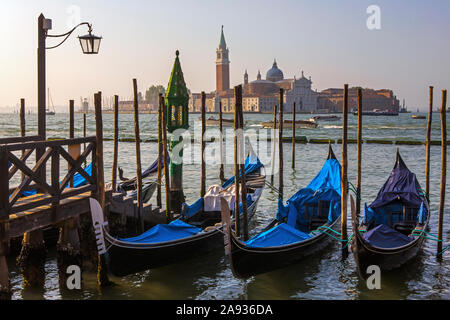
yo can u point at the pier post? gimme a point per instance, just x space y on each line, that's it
68 249
31 260
84 134
443 168
160 153
202 144
71 119
166 163
102 272
274 138
221 171
428 144
5 286
280 145
140 204
359 154
344 181
293 136
236 163
116 142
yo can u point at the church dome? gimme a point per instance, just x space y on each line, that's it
274 74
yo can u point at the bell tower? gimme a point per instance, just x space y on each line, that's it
222 66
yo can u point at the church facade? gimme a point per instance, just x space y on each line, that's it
259 95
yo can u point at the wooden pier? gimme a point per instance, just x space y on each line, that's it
31 202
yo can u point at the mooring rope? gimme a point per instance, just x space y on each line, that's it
324 229
429 236
272 187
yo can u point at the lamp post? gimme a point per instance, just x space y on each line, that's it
90 44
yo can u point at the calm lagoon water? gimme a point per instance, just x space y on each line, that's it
325 276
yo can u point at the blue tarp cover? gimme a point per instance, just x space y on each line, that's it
384 237
325 186
175 230
78 181
252 163
279 235
401 185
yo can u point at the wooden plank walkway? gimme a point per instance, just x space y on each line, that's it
46 215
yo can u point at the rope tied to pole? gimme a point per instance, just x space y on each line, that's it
429 236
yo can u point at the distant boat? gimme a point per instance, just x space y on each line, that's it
48 111
215 122
302 124
324 118
376 112
418 116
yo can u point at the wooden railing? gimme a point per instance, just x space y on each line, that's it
49 192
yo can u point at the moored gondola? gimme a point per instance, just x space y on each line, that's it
197 231
390 233
297 230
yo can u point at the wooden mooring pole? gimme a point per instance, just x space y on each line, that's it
160 152
428 143
202 146
443 169
293 136
221 171
273 143
116 142
140 204
22 126
166 163
344 181
243 181
102 271
359 154
237 219
280 146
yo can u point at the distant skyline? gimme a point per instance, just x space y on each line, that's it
328 40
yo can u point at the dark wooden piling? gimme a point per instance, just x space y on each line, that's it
359 154
5 284
202 143
280 145
221 171
274 143
166 163
443 168
428 143
68 250
293 136
140 204
236 163
84 134
160 151
344 181
71 119
22 126
31 260
243 181
102 271
116 142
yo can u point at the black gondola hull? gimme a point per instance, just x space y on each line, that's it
246 262
386 260
123 261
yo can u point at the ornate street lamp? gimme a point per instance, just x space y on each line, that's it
176 99
90 44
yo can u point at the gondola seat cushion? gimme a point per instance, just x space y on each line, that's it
175 230
280 235
383 236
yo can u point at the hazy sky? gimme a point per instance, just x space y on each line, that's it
329 40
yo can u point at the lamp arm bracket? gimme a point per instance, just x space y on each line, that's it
67 34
